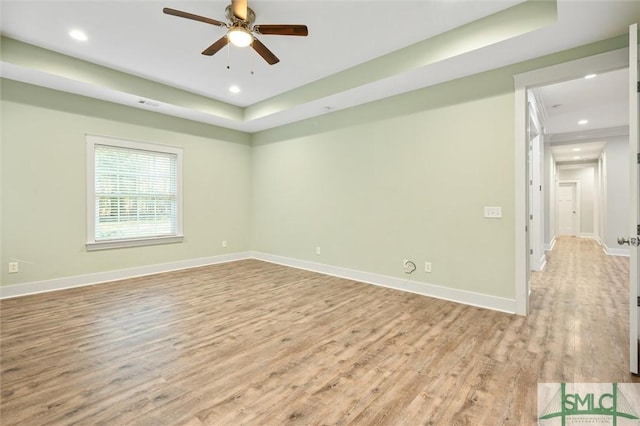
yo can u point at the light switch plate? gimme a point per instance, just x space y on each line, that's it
493 212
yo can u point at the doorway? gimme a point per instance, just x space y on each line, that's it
568 218
572 70
525 82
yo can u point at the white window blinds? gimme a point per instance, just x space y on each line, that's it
135 193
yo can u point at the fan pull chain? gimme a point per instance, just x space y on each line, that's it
253 59
228 56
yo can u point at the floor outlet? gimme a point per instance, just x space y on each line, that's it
427 266
318 250
13 267
224 244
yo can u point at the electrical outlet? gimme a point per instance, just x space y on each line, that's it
224 244
13 267
318 250
427 267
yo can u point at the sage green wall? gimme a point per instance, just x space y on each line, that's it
410 187
44 183
403 178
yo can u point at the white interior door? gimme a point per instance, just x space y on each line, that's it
634 317
536 213
567 209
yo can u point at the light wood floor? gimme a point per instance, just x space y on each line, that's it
255 343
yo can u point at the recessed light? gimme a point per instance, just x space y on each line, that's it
590 76
576 158
234 89
576 149
78 35
582 122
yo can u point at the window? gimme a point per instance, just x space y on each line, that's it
133 193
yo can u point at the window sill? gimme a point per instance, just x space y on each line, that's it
116 244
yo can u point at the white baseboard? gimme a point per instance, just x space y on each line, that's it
543 262
34 287
588 235
455 295
549 247
538 265
615 251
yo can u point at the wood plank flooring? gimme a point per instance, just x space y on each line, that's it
251 343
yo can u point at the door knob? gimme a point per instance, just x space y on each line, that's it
632 241
622 241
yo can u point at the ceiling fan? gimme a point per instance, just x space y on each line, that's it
240 29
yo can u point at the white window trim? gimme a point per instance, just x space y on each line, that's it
92 244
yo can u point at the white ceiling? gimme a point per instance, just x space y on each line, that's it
578 152
601 101
137 38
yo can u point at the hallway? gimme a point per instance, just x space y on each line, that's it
579 303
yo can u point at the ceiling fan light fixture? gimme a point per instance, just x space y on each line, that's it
240 29
239 36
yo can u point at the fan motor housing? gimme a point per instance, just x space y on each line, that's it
251 15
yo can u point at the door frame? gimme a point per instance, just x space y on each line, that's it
536 203
576 201
600 63
634 207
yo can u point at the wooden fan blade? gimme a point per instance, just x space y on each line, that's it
290 30
187 15
239 8
215 47
266 54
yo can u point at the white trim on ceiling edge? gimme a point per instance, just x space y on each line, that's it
454 295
